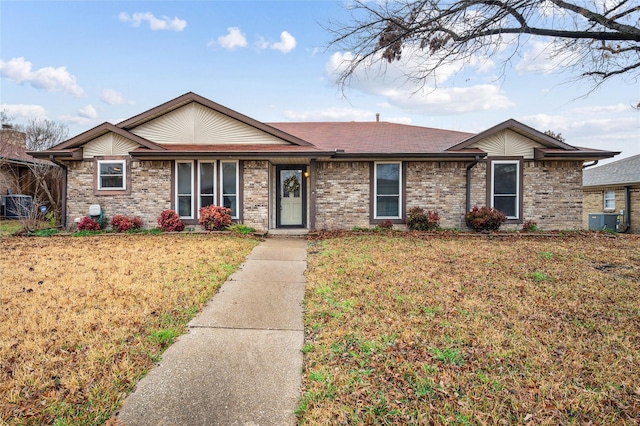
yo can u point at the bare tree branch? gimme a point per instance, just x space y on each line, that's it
458 31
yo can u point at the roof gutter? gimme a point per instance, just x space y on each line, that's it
63 195
421 155
170 155
584 166
469 167
627 209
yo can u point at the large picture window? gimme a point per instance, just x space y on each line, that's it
184 189
388 190
229 188
505 187
112 174
203 183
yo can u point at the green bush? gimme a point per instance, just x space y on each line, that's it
484 218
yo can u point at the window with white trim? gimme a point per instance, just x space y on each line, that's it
184 189
388 190
206 183
229 186
505 187
112 174
609 200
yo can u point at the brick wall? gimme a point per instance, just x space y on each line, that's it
553 194
593 202
342 195
150 192
13 137
441 187
256 194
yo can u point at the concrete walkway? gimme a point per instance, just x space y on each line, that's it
241 361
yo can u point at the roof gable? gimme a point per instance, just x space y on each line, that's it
101 130
537 137
192 119
625 171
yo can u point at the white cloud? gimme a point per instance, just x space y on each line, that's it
432 96
609 127
340 115
88 112
112 97
232 40
155 24
48 78
23 112
286 44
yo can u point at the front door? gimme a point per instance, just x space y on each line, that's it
290 197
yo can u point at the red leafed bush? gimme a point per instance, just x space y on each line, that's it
215 218
88 224
419 220
484 218
169 221
386 224
123 223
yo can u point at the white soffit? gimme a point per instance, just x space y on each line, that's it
108 144
507 143
197 124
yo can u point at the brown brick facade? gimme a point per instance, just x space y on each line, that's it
342 195
552 192
150 192
256 194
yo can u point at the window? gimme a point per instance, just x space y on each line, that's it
387 188
505 187
112 175
207 184
609 200
229 186
184 189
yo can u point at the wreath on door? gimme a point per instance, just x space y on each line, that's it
291 184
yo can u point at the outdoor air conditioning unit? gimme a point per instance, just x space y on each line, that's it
17 206
600 221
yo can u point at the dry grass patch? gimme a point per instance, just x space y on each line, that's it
83 319
402 330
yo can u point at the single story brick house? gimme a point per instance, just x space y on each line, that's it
614 188
191 152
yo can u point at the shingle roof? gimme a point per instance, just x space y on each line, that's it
373 137
17 154
625 171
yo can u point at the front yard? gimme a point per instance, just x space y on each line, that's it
467 331
83 319
399 329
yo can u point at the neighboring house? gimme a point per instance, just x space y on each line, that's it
614 188
191 152
22 174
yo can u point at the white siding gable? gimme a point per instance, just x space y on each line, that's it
507 143
197 124
109 144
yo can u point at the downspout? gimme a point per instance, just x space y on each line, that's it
63 207
469 167
627 209
584 166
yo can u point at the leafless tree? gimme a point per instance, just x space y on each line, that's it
591 39
27 175
43 134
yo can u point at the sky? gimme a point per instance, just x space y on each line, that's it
82 63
